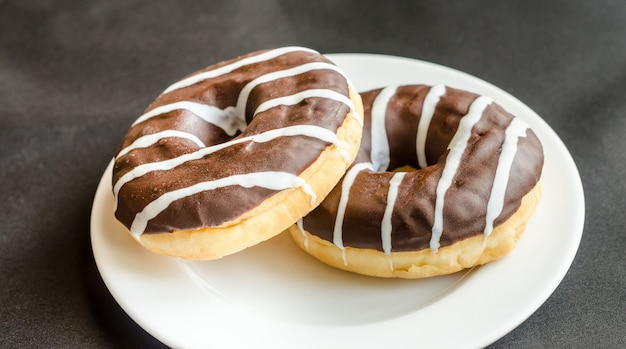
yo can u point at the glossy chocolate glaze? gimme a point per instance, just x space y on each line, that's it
412 219
290 154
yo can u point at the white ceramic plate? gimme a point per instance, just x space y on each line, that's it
274 295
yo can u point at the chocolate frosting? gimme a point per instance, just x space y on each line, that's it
165 178
464 205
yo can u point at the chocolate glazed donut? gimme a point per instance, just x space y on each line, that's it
235 153
473 184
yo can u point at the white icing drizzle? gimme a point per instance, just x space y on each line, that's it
270 180
300 226
300 96
516 129
148 140
456 149
298 130
428 110
386 226
280 74
226 119
265 56
348 180
379 152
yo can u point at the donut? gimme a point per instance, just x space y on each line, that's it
235 153
444 180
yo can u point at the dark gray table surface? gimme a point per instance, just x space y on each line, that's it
74 74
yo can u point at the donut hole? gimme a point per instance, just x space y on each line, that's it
408 163
403 155
404 168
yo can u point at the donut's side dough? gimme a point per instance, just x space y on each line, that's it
464 254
